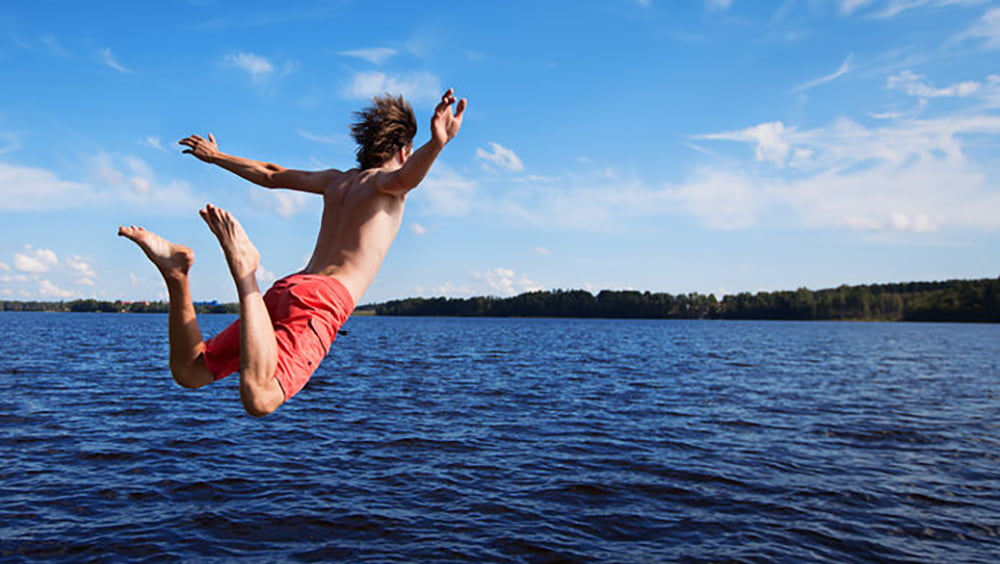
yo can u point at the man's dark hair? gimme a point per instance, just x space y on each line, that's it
383 129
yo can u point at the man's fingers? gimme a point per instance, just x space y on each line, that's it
460 108
211 138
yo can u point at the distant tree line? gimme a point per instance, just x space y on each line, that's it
953 300
96 306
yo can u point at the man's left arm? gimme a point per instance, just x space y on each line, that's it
444 127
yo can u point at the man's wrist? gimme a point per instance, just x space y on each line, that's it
437 144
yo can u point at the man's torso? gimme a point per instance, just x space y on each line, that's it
358 226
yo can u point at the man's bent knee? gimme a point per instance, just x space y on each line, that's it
192 376
262 400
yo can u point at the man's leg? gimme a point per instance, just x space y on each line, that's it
259 389
174 261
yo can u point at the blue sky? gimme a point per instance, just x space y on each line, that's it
712 146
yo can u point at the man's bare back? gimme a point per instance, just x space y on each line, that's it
358 226
283 335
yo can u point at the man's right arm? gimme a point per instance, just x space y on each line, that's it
264 174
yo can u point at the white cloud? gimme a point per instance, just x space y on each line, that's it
418 229
4 267
913 175
723 200
845 68
501 157
265 277
327 139
447 289
35 189
445 192
35 261
415 86
285 203
108 59
9 142
506 282
52 43
49 290
913 85
129 180
259 68
82 269
988 29
891 8
543 251
153 143
771 140
376 55
718 5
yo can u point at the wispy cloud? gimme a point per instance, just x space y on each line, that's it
850 176
882 9
376 55
718 5
285 203
82 270
9 142
914 85
51 42
326 139
47 289
770 140
260 68
115 180
988 29
35 189
845 68
153 143
417 86
418 229
904 174
446 192
500 157
108 59
506 282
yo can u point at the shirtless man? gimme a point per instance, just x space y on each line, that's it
281 337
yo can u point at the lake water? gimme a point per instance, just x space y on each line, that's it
425 439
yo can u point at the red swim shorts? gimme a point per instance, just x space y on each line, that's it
306 311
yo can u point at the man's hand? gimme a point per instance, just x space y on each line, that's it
444 123
204 150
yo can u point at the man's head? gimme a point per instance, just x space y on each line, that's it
383 129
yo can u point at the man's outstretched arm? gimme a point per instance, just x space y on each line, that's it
264 174
444 127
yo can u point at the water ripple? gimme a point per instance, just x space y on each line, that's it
510 440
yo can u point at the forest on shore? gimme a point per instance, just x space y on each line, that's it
951 300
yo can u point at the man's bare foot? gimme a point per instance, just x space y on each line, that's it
170 258
241 254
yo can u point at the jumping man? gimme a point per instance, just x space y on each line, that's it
281 337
